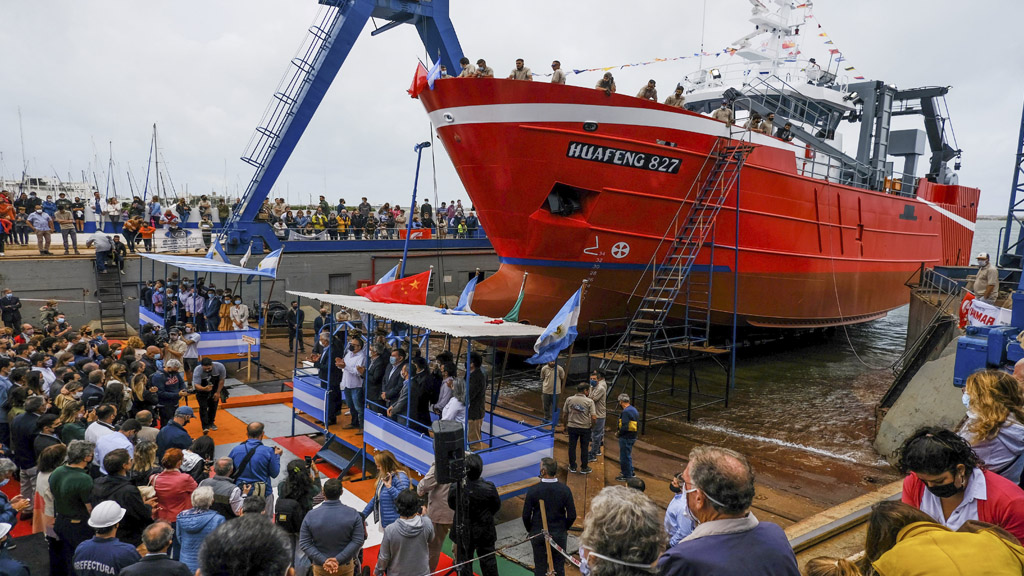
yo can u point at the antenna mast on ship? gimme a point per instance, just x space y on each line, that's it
24 161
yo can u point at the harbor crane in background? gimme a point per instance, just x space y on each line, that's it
328 43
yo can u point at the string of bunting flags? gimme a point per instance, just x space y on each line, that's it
791 56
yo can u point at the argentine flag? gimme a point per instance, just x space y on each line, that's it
434 73
390 276
216 252
267 266
560 333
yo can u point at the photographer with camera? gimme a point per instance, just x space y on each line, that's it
208 380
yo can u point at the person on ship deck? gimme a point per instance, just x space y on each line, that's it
606 83
676 98
483 70
468 69
520 72
986 283
648 92
724 114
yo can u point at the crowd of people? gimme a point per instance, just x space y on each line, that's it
325 221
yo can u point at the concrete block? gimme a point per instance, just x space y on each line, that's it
930 399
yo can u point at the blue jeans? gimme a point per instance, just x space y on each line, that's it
597 437
101 260
354 399
626 456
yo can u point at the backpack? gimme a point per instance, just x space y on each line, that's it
288 515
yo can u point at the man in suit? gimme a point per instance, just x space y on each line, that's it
157 538
295 318
10 309
561 513
393 381
379 367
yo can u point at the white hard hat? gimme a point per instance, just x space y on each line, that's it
106 514
982 256
4 529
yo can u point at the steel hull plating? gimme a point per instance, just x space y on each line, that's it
812 253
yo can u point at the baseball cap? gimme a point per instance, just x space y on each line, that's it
4 529
623 397
184 411
106 514
982 256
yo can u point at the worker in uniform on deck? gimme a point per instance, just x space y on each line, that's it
552 377
557 76
785 133
520 72
986 283
468 69
483 70
648 92
724 114
676 98
606 83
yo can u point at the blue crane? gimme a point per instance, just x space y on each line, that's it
329 40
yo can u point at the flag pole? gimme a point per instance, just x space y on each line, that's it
568 363
519 301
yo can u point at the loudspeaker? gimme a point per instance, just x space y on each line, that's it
449 451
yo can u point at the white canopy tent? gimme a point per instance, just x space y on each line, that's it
430 318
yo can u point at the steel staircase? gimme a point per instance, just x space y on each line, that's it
288 99
110 294
645 336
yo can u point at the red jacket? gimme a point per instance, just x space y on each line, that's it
1003 507
173 494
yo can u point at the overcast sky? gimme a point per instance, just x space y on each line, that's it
89 73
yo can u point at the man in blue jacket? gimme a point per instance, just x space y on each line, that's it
174 435
9 566
332 533
170 389
257 464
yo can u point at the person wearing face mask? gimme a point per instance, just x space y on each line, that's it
170 389
393 380
208 379
322 320
239 314
6 366
995 422
191 338
945 480
379 364
678 523
621 534
353 367
560 510
42 225
718 485
10 309
72 486
295 319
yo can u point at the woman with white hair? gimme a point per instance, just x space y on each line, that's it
194 525
622 534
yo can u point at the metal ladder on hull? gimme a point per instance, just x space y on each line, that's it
110 295
645 334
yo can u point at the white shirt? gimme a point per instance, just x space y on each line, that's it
192 339
350 377
967 510
107 444
454 410
48 377
97 430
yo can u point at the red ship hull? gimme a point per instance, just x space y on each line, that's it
812 253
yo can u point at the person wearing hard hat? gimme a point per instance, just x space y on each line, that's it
104 554
986 283
9 566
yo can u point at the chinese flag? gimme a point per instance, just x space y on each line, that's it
410 290
419 81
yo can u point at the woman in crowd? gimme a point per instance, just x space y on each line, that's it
69 392
143 394
225 312
113 211
945 480
995 422
391 481
825 566
198 459
238 314
194 525
622 534
144 465
302 484
113 393
16 402
72 420
904 541
173 487
135 343
49 460
455 408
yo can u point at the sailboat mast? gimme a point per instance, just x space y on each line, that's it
156 159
